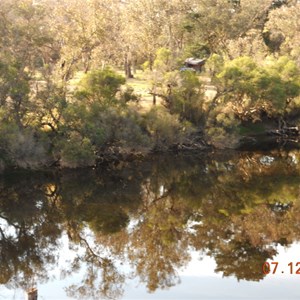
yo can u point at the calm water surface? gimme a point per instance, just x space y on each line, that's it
181 227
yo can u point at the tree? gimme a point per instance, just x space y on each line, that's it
216 23
250 87
26 48
79 29
155 24
100 87
282 29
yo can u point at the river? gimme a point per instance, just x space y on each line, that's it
222 225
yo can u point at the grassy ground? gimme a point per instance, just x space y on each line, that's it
142 87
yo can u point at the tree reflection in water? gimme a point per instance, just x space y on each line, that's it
149 215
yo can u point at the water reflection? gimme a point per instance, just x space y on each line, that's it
143 220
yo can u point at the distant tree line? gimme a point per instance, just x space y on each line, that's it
62 101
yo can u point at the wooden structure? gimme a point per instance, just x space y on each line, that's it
194 63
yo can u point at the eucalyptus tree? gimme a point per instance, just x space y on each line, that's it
216 22
155 24
283 30
79 30
26 47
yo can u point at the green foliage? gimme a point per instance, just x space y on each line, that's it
100 86
77 152
123 128
86 120
23 148
293 111
277 81
128 95
98 118
283 67
222 128
237 75
245 90
185 97
14 90
214 64
165 129
163 60
197 50
106 126
45 45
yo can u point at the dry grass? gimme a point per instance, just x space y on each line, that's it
142 87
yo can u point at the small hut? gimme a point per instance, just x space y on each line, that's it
194 63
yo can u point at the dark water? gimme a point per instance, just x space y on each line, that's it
180 227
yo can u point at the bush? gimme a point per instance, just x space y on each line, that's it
276 82
100 86
222 128
185 96
24 148
165 129
107 126
77 152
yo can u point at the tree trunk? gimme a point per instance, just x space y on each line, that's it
154 99
154 95
151 62
134 66
32 294
127 66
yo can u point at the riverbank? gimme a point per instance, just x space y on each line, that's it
114 157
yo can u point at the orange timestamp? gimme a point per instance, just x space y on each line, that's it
272 268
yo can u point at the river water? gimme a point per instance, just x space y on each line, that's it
201 226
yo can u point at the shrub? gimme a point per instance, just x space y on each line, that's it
100 86
24 148
165 129
222 128
77 152
185 96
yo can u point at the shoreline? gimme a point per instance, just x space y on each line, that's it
115 160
